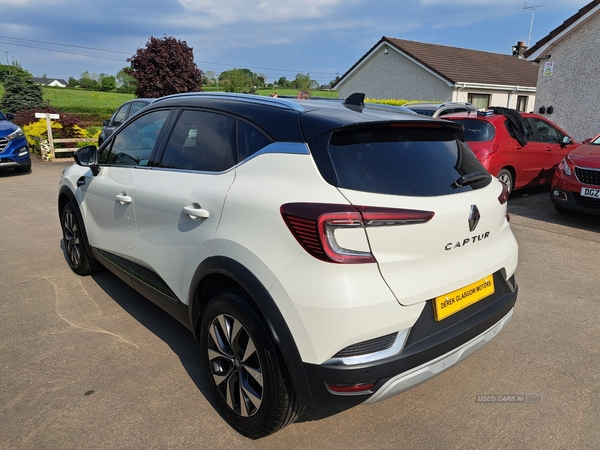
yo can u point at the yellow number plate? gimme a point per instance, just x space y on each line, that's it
452 302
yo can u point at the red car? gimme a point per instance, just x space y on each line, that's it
519 157
576 182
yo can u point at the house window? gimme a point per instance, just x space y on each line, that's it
481 101
522 103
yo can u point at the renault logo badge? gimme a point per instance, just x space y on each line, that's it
474 217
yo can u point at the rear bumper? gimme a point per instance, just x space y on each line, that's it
431 348
423 373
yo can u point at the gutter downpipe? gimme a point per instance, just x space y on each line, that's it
510 94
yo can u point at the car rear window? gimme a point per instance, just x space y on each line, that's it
398 160
477 130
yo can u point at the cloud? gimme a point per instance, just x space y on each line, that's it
218 12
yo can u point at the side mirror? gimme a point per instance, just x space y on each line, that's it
106 122
566 141
10 116
87 157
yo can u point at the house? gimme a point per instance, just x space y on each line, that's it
400 69
59 82
568 73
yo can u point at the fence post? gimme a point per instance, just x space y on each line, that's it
48 117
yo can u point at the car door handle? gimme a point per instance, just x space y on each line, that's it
196 212
123 198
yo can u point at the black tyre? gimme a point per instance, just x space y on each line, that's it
244 370
506 177
73 237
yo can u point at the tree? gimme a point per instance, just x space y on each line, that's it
166 66
125 82
20 92
304 82
283 82
237 80
209 77
89 81
107 82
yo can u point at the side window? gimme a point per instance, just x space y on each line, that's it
546 132
121 115
134 143
528 131
249 140
135 107
529 136
201 141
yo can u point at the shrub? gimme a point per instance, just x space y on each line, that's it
398 102
68 126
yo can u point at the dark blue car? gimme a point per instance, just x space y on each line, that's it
14 150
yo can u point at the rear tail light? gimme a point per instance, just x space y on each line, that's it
314 225
503 198
486 151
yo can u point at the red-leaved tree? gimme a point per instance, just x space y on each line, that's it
166 66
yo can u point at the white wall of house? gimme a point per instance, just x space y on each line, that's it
573 89
56 83
394 76
504 96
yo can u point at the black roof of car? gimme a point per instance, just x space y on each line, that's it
280 116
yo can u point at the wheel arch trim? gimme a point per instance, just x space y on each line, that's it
266 307
65 191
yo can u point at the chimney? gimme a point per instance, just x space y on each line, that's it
519 49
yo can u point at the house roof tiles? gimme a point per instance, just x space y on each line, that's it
460 65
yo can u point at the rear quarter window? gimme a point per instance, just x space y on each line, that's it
397 160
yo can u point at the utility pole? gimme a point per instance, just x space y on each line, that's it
532 8
6 58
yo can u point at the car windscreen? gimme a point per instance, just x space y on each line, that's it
397 159
476 130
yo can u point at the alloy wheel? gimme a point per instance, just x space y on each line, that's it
235 365
71 235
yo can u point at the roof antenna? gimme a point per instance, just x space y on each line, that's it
532 8
356 99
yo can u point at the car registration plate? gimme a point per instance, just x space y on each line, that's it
590 192
446 305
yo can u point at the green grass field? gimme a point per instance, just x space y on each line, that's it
93 107
76 101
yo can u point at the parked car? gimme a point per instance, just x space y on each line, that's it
519 158
441 109
576 182
323 253
14 149
126 110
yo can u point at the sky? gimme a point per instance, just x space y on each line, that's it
274 38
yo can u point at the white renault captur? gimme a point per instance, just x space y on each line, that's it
324 253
